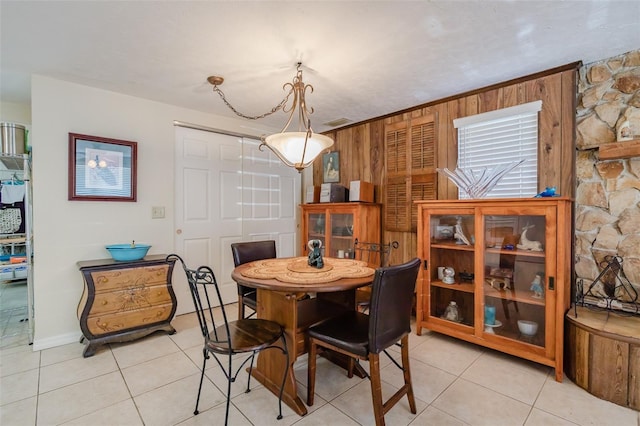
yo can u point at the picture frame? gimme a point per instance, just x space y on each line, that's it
331 167
102 169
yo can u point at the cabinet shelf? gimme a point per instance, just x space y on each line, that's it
452 246
469 288
502 279
516 252
512 296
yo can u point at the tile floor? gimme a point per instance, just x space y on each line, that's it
153 381
14 327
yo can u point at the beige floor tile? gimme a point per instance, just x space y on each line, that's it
357 403
19 386
428 382
176 401
62 353
510 376
121 414
76 370
325 416
570 402
185 322
158 372
77 400
18 361
331 380
215 417
433 416
260 406
145 349
239 386
478 405
446 353
189 337
542 418
19 413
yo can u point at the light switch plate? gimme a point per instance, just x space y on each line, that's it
157 212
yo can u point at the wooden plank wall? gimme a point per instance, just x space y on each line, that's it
361 145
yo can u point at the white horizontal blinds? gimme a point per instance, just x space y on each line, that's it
499 137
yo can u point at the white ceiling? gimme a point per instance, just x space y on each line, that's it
364 58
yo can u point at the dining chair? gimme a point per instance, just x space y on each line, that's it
364 337
223 338
248 252
376 254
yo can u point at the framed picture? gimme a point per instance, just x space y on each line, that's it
331 167
101 169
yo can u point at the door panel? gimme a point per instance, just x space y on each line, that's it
207 206
227 191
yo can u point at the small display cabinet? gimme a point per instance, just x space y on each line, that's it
496 272
339 225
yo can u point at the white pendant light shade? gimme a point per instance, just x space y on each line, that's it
290 147
295 149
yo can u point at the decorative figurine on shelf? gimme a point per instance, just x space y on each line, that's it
315 255
451 313
536 286
526 244
459 233
448 275
550 191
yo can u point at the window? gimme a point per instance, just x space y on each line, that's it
498 137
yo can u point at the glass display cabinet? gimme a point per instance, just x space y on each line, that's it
496 272
338 225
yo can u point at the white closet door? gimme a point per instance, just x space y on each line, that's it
229 191
208 207
270 199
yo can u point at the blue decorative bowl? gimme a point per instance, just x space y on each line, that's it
126 252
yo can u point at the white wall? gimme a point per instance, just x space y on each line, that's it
66 232
11 112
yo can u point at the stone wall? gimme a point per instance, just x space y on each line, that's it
608 192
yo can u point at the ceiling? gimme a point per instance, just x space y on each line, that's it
364 58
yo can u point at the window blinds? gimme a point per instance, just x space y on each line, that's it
502 136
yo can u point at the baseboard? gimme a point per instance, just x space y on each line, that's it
59 340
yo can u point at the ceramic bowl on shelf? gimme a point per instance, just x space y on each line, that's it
128 252
528 328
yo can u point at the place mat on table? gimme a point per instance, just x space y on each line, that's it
297 270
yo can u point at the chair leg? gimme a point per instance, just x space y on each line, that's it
284 377
376 388
229 381
205 356
407 373
240 307
311 373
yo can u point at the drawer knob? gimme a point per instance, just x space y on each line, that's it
104 302
104 324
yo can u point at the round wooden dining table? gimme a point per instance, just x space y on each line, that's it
298 296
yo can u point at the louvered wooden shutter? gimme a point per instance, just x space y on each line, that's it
410 153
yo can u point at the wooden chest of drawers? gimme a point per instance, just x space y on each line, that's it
123 301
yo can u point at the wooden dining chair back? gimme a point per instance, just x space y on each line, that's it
223 339
364 337
248 252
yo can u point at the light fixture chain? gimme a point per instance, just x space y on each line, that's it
253 117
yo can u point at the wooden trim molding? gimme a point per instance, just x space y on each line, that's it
619 150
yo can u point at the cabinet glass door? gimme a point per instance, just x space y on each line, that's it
451 258
316 227
514 277
341 234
